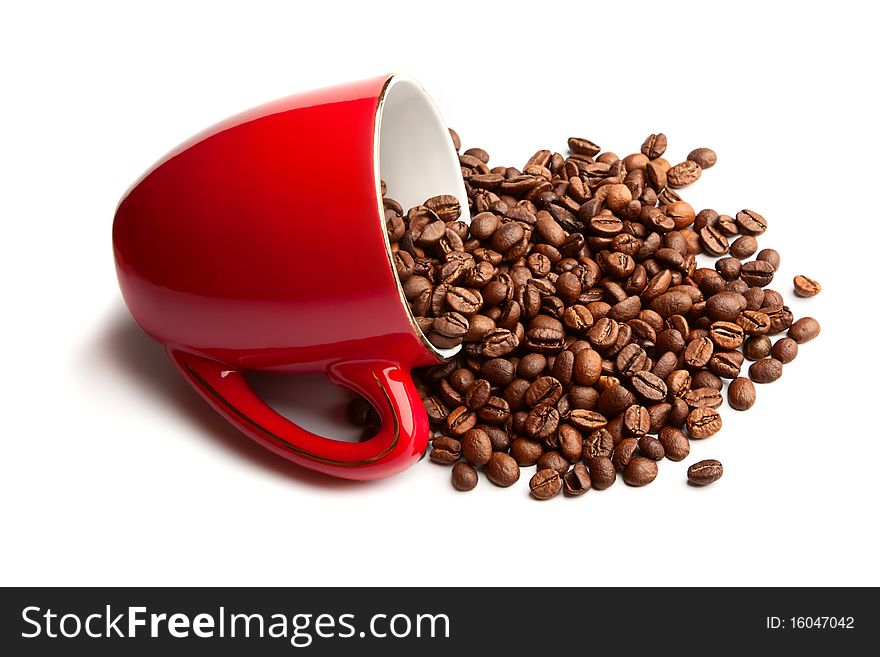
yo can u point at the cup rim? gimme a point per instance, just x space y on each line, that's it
443 355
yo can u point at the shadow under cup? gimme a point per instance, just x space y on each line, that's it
260 246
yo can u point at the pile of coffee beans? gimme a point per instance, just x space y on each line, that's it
593 342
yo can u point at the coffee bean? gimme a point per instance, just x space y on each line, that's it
765 370
554 461
460 420
476 448
757 347
726 364
651 448
654 146
576 481
498 342
713 241
683 174
706 379
770 256
757 273
698 352
750 222
705 472
741 394
640 471
806 287
545 484
624 452
445 450
463 300
705 157
753 322
744 247
636 420
445 206
582 146
649 386
496 410
675 443
785 350
602 472
703 422
477 394
725 306
615 399
464 477
542 421
675 302
502 470
545 390
727 335
703 398
586 420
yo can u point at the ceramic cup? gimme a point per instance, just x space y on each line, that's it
260 244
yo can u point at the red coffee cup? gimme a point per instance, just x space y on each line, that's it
260 244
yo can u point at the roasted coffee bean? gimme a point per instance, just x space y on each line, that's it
675 443
598 443
570 442
631 359
649 386
750 222
464 477
545 390
729 268
753 322
502 470
705 472
727 335
744 247
785 350
525 451
586 420
804 330
726 364
602 472
698 352
705 157
498 342
542 421
781 318
640 471
615 399
651 448
683 174
703 422
757 273
477 394
636 420
576 481
713 241
578 319
445 450
756 347
545 484
476 448
765 370
675 302
770 256
583 146
496 410
741 394
554 461
463 300
623 452
678 383
725 306
806 287
703 397
531 366
460 420
654 146
461 379
587 367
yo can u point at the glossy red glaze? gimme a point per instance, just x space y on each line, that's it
260 244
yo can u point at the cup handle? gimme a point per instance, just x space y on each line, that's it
388 386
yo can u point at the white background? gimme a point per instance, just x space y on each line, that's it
114 472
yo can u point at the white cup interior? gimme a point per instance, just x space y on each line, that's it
417 159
